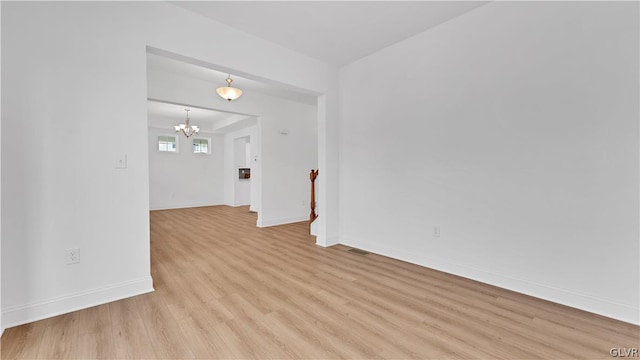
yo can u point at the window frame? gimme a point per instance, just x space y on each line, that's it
193 145
168 136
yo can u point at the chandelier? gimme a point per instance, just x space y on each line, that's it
228 92
186 128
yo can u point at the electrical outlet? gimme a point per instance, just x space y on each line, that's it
73 256
436 231
121 162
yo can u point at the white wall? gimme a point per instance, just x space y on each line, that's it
284 161
1 326
327 225
515 129
78 89
185 179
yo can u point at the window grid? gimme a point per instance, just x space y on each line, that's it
167 144
200 146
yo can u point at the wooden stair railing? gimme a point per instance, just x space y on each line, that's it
313 215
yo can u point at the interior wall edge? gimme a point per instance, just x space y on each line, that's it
281 221
593 304
327 241
23 314
169 206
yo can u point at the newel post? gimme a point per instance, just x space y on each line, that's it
312 176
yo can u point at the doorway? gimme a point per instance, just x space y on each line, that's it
242 162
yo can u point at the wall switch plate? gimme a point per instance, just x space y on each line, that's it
436 231
73 256
121 162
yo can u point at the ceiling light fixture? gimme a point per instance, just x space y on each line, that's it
228 92
186 128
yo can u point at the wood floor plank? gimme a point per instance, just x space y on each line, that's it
226 289
162 329
129 336
59 338
95 337
23 342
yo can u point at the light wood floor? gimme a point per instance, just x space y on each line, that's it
226 289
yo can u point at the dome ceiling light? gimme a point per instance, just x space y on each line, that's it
228 92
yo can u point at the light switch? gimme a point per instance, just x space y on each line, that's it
121 162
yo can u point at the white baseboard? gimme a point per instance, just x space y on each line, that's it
281 221
326 242
226 203
606 307
183 205
23 314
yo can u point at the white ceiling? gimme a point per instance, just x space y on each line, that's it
164 114
336 32
159 64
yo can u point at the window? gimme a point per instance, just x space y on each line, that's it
167 144
201 146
